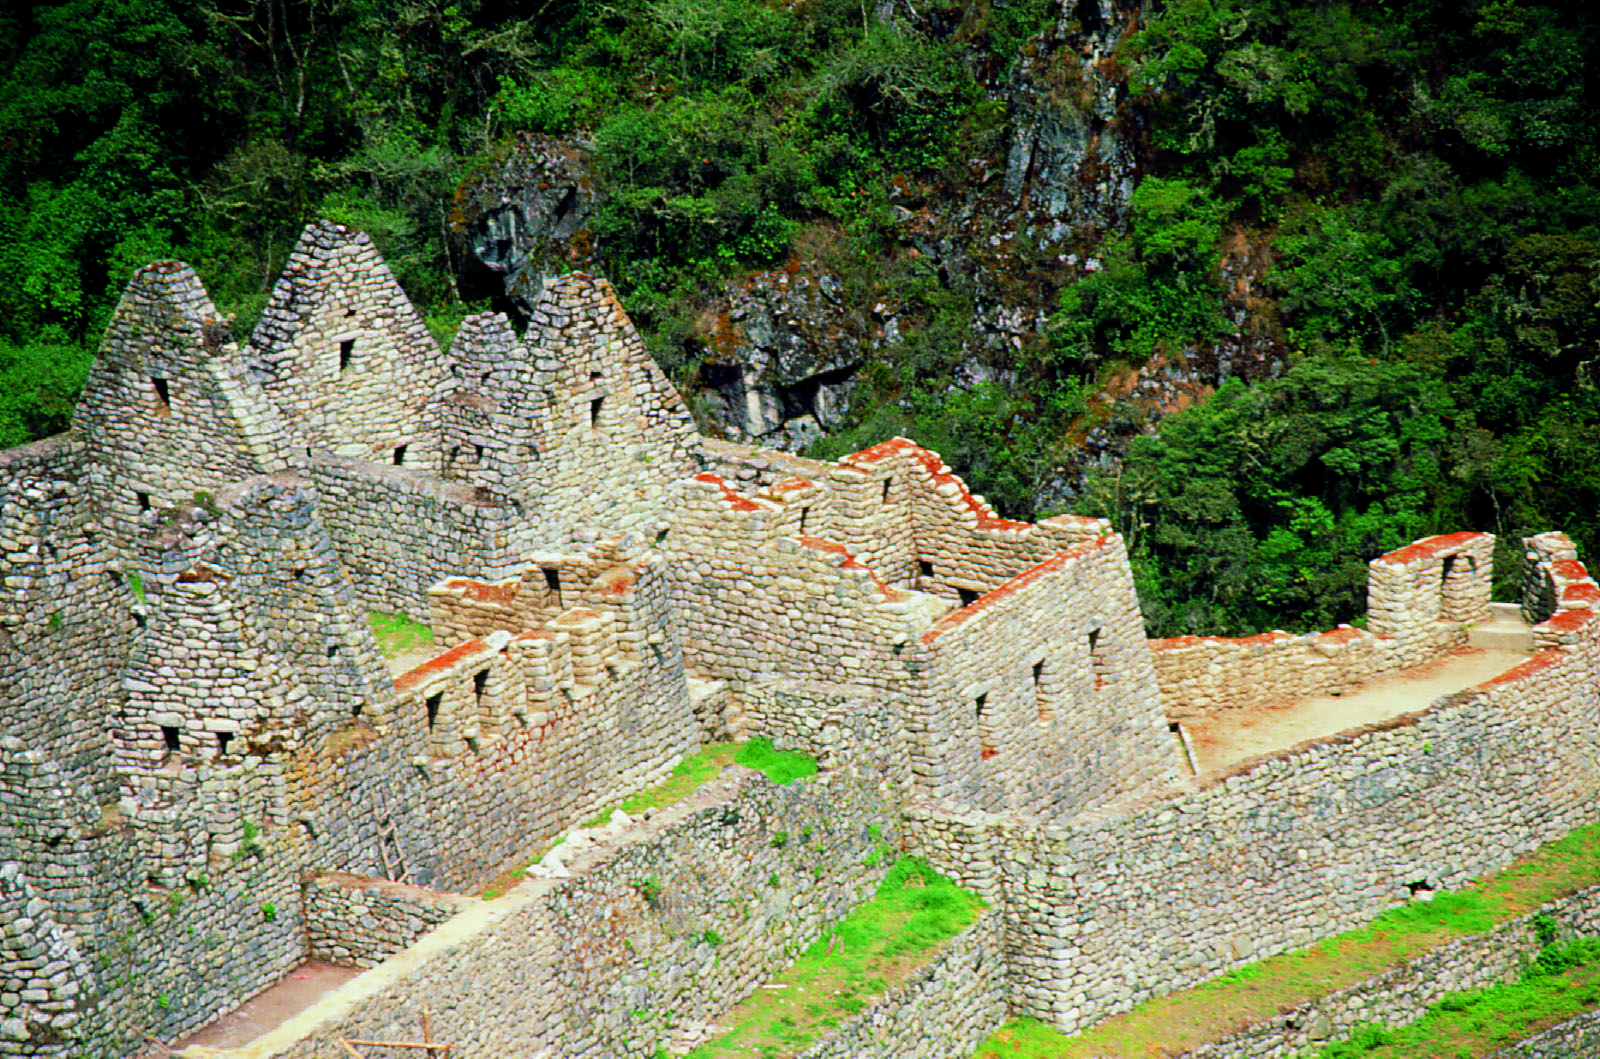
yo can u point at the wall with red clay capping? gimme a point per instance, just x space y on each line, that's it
898 509
1041 694
1575 596
755 601
946 539
1139 897
461 608
1423 596
502 743
1418 615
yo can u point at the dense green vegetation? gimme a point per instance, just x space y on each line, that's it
140 129
1426 184
1418 177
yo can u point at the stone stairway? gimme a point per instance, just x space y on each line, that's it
1504 631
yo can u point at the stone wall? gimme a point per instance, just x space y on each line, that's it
461 608
1403 994
916 523
1109 908
356 921
399 530
68 614
1040 694
611 432
1202 674
497 745
1422 598
681 918
133 958
746 572
344 356
947 1008
169 408
1577 1038
1541 553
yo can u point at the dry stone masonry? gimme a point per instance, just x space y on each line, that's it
208 773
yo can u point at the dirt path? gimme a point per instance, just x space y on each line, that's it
404 662
1234 735
296 991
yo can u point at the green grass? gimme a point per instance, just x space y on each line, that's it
782 767
398 634
1562 982
688 776
872 949
1190 1017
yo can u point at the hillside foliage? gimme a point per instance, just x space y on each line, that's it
1422 177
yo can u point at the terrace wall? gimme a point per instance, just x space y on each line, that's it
687 915
949 1007
1129 900
1403 994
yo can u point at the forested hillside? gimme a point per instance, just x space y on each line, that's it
1355 242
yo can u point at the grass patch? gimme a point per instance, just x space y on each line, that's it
781 766
872 949
398 634
1562 982
688 776
1216 1009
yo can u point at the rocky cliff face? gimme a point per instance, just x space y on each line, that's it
779 350
523 222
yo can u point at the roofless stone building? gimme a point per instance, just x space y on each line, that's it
208 773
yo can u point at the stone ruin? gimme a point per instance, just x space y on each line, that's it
208 773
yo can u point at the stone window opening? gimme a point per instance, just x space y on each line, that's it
169 736
223 739
139 621
661 537
347 350
804 512
163 395
1455 583
399 455
552 581
594 411
887 482
924 568
333 650
143 500
1041 694
480 684
986 748
969 596
1098 662
477 453
433 703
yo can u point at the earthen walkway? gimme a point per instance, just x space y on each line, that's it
1233 735
300 989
